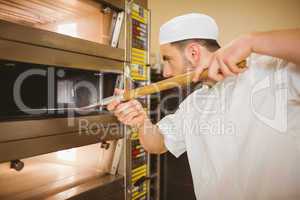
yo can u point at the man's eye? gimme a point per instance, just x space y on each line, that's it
166 59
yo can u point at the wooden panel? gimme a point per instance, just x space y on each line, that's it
43 38
16 51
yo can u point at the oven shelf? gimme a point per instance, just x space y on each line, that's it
53 180
37 137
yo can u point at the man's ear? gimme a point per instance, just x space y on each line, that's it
193 53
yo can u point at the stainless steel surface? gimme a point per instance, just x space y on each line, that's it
21 52
117 156
127 86
149 105
108 100
117 29
25 138
41 38
103 102
35 137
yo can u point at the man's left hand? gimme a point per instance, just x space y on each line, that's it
224 61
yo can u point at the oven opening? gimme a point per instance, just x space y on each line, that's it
76 18
57 172
37 91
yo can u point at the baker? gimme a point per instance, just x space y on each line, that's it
241 136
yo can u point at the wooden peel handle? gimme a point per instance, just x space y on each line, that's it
176 81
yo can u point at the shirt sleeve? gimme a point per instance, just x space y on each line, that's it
279 70
173 138
293 81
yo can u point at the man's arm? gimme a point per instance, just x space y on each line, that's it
132 113
283 44
151 138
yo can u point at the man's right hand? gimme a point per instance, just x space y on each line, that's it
133 114
130 113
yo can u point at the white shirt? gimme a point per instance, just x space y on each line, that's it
242 136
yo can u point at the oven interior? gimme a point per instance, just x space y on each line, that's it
36 91
84 19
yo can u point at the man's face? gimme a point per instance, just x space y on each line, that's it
173 60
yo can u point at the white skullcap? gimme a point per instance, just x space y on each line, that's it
189 26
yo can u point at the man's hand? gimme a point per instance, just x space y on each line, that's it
130 113
224 61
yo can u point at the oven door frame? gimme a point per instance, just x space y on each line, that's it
26 138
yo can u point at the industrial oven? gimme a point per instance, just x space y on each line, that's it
56 57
